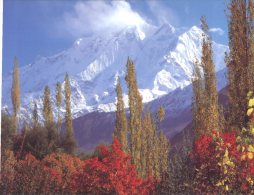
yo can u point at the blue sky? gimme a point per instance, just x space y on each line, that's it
44 27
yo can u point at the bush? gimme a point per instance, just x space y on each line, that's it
113 174
60 173
223 163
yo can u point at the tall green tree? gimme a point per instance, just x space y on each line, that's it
35 116
58 104
250 31
160 114
163 154
15 92
150 147
135 106
69 141
198 107
121 126
8 130
205 106
240 59
146 147
210 83
47 108
163 144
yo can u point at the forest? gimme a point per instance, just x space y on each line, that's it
41 156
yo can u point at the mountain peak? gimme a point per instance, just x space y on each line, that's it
163 63
195 30
133 31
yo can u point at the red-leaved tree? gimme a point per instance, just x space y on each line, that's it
224 163
113 174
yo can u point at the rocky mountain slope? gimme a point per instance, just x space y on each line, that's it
163 58
164 64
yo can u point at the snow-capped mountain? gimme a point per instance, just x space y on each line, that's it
163 59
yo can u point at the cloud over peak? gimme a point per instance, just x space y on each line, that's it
94 16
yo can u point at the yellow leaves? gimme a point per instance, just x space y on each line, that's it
220 183
249 94
251 102
249 111
252 131
250 148
250 155
226 153
243 149
229 163
226 160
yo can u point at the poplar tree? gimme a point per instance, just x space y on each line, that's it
163 154
163 144
147 145
58 104
15 92
35 116
198 101
250 30
135 106
160 114
121 128
205 106
240 60
47 108
69 142
211 117
156 155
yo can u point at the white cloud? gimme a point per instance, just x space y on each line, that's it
163 13
93 16
217 30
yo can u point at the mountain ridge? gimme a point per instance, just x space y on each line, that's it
163 64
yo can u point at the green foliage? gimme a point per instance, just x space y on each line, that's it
121 126
69 143
58 103
240 62
160 115
35 116
135 106
205 108
179 176
8 129
47 108
15 92
39 141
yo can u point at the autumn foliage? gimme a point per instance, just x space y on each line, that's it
113 174
223 164
60 173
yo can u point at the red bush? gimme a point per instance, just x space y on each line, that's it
61 167
114 174
222 162
60 173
